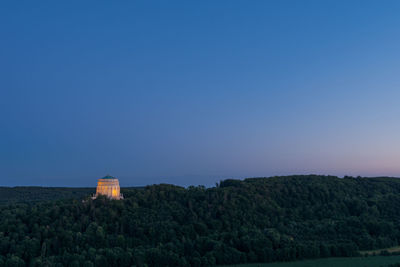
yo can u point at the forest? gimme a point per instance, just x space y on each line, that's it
237 221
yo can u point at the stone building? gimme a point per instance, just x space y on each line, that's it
108 186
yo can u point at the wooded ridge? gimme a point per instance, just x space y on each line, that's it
254 220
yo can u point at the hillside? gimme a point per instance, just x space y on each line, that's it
255 220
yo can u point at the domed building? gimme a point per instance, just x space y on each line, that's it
108 186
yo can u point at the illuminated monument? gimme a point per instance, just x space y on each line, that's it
108 186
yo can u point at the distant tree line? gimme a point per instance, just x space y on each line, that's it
255 220
28 194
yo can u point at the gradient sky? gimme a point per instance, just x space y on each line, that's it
191 92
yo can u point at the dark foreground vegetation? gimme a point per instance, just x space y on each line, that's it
255 220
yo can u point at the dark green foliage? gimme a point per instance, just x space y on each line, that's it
255 220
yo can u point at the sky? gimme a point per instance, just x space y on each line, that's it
192 92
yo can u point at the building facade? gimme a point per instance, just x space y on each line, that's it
108 186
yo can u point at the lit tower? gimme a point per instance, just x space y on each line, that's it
108 186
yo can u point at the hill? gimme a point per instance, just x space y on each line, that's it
254 220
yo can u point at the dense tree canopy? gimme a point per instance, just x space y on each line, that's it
255 220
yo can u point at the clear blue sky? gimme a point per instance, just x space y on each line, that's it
190 92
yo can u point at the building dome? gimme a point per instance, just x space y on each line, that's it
108 177
108 186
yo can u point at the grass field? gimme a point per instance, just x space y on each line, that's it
373 261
